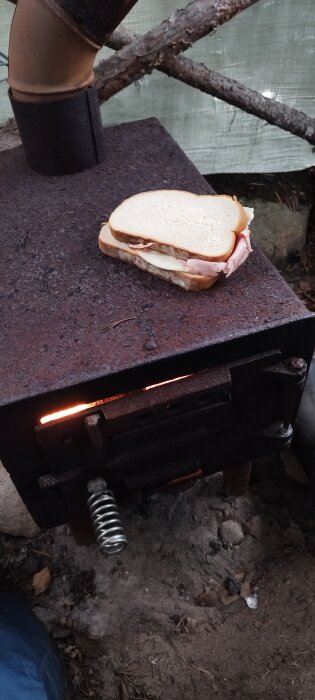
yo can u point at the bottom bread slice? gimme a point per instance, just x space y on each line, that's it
117 249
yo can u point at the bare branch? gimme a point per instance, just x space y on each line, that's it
199 76
174 35
228 90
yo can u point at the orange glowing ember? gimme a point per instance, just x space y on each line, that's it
72 410
169 381
67 412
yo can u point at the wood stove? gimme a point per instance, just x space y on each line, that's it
164 386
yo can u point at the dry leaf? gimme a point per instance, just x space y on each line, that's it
41 580
226 598
246 590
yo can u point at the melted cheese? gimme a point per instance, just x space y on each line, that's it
164 262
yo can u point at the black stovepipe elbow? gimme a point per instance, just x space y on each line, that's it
52 48
97 19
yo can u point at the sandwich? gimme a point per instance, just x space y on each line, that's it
182 237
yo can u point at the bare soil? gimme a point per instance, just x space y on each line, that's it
156 622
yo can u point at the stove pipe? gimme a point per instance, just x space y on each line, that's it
52 48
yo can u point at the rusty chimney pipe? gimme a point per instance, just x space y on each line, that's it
52 48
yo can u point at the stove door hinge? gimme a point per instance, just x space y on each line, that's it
292 370
289 379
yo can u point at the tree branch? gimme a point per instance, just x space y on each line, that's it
199 76
174 35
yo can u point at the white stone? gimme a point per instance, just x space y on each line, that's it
14 516
231 532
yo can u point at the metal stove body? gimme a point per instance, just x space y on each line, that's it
79 329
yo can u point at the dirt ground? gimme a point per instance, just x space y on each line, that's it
156 622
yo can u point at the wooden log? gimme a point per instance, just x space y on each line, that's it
231 91
174 35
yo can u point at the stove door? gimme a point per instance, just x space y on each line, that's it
171 433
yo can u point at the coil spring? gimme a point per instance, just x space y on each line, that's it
105 518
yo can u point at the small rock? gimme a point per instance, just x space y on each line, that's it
255 527
232 585
251 601
231 532
295 535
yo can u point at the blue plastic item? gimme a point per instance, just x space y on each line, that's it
29 665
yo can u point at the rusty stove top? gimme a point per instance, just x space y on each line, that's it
64 305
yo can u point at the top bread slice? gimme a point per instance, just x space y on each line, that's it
180 223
